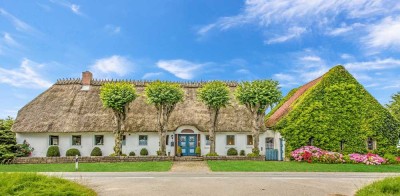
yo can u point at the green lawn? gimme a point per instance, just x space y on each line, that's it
275 166
388 186
90 167
35 184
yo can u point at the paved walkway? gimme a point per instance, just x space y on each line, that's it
218 183
190 166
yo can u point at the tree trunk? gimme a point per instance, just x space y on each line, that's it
163 146
118 136
255 130
162 118
214 123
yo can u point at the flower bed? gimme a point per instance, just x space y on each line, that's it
313 154
368 159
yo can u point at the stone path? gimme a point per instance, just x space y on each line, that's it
190 166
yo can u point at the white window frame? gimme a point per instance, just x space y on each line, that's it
72 140
50 140
102 144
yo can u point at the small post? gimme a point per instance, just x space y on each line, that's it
76 163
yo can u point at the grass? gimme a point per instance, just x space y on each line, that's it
387 186
90 167
275 166
35 184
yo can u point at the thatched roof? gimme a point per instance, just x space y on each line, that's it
65 107
286 106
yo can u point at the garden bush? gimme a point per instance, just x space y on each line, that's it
256 151
72 152
144 152
53 151
198 151
96 152
113 155
242 153
368 159
232 152
314 154
132 154
179 151
212 154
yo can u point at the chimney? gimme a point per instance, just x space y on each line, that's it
87 77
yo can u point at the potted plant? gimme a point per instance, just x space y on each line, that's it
198 151
178 151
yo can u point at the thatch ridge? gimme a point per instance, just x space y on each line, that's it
99 82
65 107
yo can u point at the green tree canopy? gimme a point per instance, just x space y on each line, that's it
164 96
214 95
394 106
257 96
117 96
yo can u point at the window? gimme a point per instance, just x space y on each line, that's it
249 140
142 140
124 140
269 143
166 140
371 145
311 141
208 140
98 139
342 145
53 140
230 140
76 140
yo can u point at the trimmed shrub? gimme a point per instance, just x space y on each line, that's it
144 152
72 152
198 150
96 152
390 159
212 154
232 152
179 151
53 151
132 154
256 151
242 153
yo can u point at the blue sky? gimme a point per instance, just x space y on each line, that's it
292 41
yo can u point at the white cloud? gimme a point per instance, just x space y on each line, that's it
279 16
180 68
25 76
379 64
73 7
114 64
293 32
346 56
151 75
243 71
18 24
9 40
311 58
385 34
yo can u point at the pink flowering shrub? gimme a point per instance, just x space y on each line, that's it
368 159
312 153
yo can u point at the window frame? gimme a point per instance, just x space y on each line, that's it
251 140
80 140
208 142
123 140
268 146
147 140
227 140
96 144
51 143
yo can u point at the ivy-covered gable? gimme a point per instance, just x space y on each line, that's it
338 114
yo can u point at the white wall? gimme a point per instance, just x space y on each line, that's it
40 141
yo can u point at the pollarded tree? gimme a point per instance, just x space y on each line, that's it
215 95
394 106
117 96
164 96
257 96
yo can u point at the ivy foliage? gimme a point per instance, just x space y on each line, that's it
214 95
338 110
394 106
116 95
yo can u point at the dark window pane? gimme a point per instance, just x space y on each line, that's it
208 140
142 140
269 143
98 140
124 140
249 140
76 140
230 140
53 140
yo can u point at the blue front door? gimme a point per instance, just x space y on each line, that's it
188 143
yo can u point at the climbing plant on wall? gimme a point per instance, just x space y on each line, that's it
338 112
